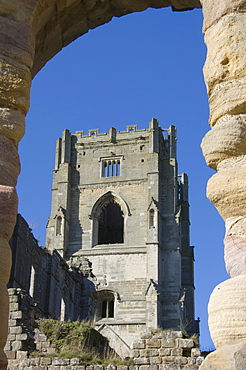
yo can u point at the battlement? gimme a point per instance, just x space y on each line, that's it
132 131
150 140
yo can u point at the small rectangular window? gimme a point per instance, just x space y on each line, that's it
111 167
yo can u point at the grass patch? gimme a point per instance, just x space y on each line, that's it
78 339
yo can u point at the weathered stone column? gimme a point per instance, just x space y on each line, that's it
15 61
224 148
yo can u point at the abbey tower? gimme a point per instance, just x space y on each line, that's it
119 206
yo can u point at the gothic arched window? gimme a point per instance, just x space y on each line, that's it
111 224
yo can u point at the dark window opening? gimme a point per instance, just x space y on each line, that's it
111 309
151 218
104 308
107 308
59 225
111 225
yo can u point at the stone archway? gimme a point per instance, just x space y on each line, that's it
35 30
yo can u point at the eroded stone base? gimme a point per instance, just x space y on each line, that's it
229 357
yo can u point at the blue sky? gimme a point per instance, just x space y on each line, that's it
128 71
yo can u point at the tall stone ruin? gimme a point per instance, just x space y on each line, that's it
118 203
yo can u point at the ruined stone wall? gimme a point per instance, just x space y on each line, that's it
56 287
168 350
23 312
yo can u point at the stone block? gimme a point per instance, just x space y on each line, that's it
180 360
23 362
132 367
195 352
199 360
168 359
155 360
12 322
74 361
153 343
120 367
13 307
50 350
191 361
135 353
141 361
21 355
13 363
15 330
184 343
109 367
13 298
176 352
169 367
35 361
45 345
40 337
7 346
16 315
144 367
16 345
146 336
10 354
168 334
23 336
164 352
11 337
168 342
11 291
44 361
149 352
38 346
138 344
153 367
60 361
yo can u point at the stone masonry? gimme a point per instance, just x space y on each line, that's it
154 351
118 201
32 32
56 287
168 350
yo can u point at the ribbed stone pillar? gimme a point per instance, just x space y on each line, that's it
224 148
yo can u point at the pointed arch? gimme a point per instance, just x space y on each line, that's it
105 199
109 215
